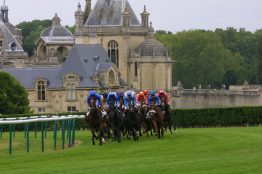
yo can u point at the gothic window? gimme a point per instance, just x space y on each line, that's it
136 69
71 91
41 88
113 52
111 78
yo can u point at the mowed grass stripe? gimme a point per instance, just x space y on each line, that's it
217 150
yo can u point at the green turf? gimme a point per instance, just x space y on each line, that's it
220 150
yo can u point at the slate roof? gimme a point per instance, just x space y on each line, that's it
109 12
151 47
57 34
83 60
28 76
86 61
9 38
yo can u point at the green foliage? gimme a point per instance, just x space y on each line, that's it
13 97
259 59
71 28
218 117
213 57
31 31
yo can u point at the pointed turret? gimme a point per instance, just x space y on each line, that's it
145 18
4 11
56 21
88 10
79 19
126 17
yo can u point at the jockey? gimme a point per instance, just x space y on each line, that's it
104 97
97 97
153 97
146 93
129 95
121 97
112 97
140 97
161 94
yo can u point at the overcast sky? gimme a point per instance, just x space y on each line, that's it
172 15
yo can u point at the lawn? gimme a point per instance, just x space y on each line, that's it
217 150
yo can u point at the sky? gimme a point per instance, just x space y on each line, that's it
170 15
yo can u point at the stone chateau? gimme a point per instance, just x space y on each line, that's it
111 49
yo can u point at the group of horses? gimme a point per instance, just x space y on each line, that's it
121 122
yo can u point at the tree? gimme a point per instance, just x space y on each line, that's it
13 97
259 60
31 31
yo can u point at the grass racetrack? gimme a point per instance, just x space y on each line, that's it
217 150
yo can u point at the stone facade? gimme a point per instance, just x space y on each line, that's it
110 50
114 25
236 96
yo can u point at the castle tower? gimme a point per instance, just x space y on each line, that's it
145 18
79 19
88 10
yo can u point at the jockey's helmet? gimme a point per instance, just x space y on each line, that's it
145 92
152 92
141 95
120 94
92 93
162 93
105 95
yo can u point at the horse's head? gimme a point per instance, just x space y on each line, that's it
92 102
131 105
143 107
153 112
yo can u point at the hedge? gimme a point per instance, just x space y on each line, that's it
212 117
218 117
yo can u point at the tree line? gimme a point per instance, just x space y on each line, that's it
215 58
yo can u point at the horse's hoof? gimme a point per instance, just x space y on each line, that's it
103 141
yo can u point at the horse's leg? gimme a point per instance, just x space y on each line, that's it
170 126
93 136
155 127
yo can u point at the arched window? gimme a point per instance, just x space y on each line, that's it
71 91
111 78
41 90
113 52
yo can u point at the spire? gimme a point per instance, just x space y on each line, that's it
151 31
4 11
126 17
79 18
145 17
56 21
88 9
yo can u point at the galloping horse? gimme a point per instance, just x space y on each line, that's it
94 120
168 122
131 121
146 123
157 118
115 120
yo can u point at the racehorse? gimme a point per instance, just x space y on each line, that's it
131 121
146 123
168 122
157 118
94 120
115 120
